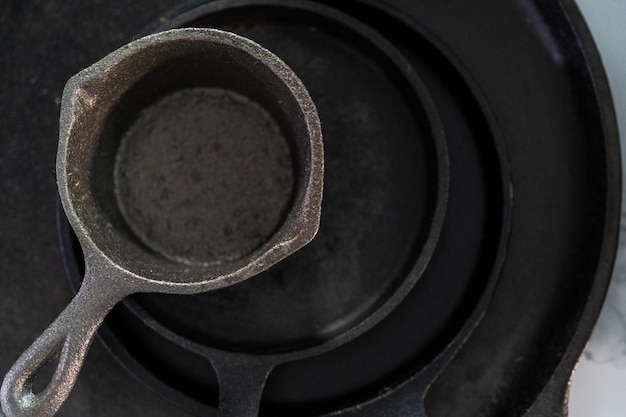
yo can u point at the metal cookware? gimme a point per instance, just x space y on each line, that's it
117 262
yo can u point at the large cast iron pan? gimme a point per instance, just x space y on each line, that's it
519 89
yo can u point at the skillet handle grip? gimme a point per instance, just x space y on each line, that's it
241 382
68 338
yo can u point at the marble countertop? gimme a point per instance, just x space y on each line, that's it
599 383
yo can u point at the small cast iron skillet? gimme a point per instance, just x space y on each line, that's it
117 263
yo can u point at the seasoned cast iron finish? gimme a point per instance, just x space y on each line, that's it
97 104
538 80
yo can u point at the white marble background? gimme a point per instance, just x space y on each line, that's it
599 383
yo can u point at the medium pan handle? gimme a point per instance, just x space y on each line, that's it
68 338
241 381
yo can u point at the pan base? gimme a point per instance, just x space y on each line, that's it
204 175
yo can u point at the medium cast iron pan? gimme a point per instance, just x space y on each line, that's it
305 330
118 261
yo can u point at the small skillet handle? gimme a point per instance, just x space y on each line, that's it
67 338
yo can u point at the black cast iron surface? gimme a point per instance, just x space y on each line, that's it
547 138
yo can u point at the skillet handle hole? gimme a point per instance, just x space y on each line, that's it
42 377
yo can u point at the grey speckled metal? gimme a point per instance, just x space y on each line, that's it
96 106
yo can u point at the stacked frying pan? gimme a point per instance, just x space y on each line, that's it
468 226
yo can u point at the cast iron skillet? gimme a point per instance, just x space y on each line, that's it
540 77
97 104
243 367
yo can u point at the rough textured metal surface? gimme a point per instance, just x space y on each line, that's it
94 105
204 175
41 52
